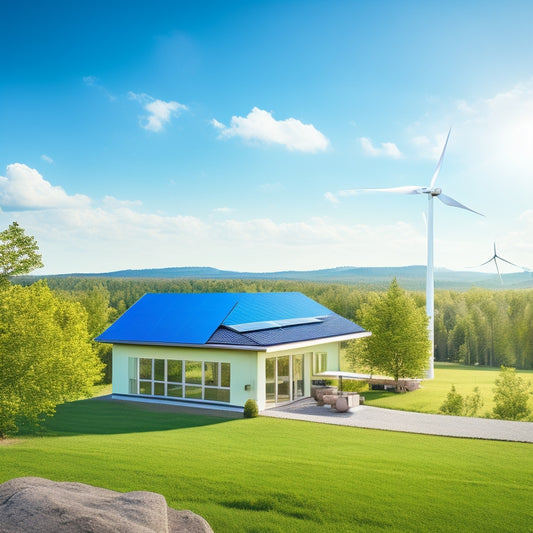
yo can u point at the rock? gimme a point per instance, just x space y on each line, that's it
37 504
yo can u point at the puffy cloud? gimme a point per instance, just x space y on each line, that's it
386 149
160 112
24 188
260 125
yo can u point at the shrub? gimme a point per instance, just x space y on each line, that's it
250 409
511 396
454 403
354 385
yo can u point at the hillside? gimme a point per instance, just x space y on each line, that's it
409 277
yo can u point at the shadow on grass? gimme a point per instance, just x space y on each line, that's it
100 417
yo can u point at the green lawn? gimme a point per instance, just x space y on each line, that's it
433 392
264 474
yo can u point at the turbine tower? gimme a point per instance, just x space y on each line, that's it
495 258
431 192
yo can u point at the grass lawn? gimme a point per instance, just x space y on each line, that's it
432 393
267 475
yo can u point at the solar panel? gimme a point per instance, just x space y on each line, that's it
271 324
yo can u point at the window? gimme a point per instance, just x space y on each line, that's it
196 380
320 362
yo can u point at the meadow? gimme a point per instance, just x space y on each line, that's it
432 393
269 475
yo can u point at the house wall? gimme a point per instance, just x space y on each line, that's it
243 366
247 367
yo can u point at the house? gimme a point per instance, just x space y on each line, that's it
221 349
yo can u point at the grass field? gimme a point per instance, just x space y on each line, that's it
432 394
269 475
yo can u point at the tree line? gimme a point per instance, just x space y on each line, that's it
473 327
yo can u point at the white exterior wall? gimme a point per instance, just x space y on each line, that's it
243 366
247 367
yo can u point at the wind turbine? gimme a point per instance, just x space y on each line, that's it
495 258
431 192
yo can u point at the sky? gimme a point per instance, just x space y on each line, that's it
222 133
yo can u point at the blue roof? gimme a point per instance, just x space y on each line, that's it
237 319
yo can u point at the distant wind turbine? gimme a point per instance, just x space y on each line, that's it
495 258
431 192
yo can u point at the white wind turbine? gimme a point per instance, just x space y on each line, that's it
495 258
431 192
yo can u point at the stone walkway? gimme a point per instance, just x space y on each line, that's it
365 416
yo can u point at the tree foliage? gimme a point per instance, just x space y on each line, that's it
473 327
46 357
399 345
19 253
511 396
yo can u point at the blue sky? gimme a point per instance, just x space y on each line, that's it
156 134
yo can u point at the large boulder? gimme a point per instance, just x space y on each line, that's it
37 504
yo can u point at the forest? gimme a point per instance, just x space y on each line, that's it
473 327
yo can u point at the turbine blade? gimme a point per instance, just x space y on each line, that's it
502 259
437 170
407 189
486 262
454 203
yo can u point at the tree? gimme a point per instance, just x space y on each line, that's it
511 396
19 253
46 357
399 345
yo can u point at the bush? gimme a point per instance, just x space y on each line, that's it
250 409
511 396
354 385
454 403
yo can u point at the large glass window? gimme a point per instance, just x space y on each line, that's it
284 378
196 380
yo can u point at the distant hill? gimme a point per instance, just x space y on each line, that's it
410 277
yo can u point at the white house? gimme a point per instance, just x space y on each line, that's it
221 349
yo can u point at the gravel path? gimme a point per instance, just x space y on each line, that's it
365 416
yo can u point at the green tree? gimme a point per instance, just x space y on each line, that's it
19 253
399 345
46 357
511 396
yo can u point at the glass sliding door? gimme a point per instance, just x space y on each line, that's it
284 378
297 376
270 379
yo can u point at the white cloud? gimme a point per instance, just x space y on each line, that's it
386 149
261 126
24 188
47 158
160 112
331 198
218 125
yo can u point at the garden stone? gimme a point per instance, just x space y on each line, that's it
37 504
